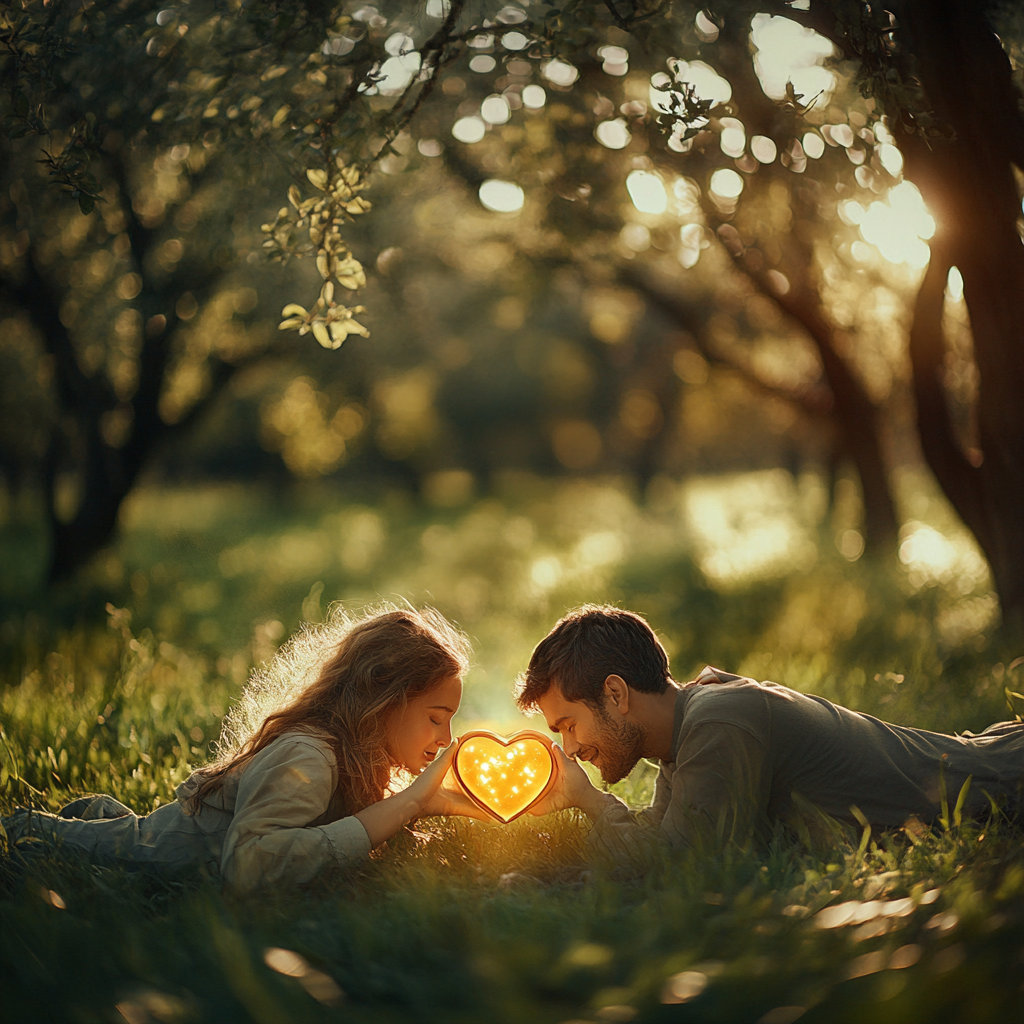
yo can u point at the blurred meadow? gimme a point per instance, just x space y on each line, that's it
465 922
647 297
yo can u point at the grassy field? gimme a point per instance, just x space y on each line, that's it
117 684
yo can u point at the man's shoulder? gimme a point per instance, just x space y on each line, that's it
733 700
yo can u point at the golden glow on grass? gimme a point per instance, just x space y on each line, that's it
505 777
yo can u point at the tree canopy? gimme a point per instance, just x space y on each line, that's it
824 154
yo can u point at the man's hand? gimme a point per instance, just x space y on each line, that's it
572 788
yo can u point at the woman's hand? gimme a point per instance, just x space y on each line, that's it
424 787
448 797
384 818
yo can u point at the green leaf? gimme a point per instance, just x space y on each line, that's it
86 203
944 819
958 809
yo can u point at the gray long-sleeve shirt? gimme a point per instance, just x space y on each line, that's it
749 754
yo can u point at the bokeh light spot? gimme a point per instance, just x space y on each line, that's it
560 72
469 129
726 183
613 134
814 145
495 110
502 196
647 192
788 52
482 63
764 149
954 284
534 97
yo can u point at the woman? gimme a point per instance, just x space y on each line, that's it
304 775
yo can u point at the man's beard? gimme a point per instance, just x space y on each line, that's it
620 746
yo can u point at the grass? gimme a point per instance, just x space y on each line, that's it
456 921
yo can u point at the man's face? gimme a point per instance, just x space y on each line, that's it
601 736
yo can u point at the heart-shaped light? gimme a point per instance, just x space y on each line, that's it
505 777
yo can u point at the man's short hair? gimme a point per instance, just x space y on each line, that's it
588 645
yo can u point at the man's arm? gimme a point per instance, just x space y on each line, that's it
719 792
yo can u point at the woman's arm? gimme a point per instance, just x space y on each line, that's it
288 785
425 797
285 787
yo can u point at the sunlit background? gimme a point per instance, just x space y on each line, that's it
609 297
526 426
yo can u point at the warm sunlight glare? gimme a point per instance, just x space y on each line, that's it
707 83
898 226
647 192
932 557
788 52
747 526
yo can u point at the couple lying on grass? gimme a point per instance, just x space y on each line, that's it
306 773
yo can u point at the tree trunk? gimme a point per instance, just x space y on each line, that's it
843 400
856 417
108 473
969 186
855 414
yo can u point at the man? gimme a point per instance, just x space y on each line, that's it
737 756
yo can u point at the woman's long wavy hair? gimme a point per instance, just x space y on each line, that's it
341 680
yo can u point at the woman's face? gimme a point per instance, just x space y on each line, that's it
416 732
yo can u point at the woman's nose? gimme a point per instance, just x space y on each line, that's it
446 735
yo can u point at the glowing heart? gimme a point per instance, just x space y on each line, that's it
505 777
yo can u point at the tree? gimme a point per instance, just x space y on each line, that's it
960 136
947 85
330 93
154 121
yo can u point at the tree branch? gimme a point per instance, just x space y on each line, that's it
815 402
222 372
35 295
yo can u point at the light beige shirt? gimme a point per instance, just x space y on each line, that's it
749 754
276 822
284 826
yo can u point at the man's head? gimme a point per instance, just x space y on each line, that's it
584 677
